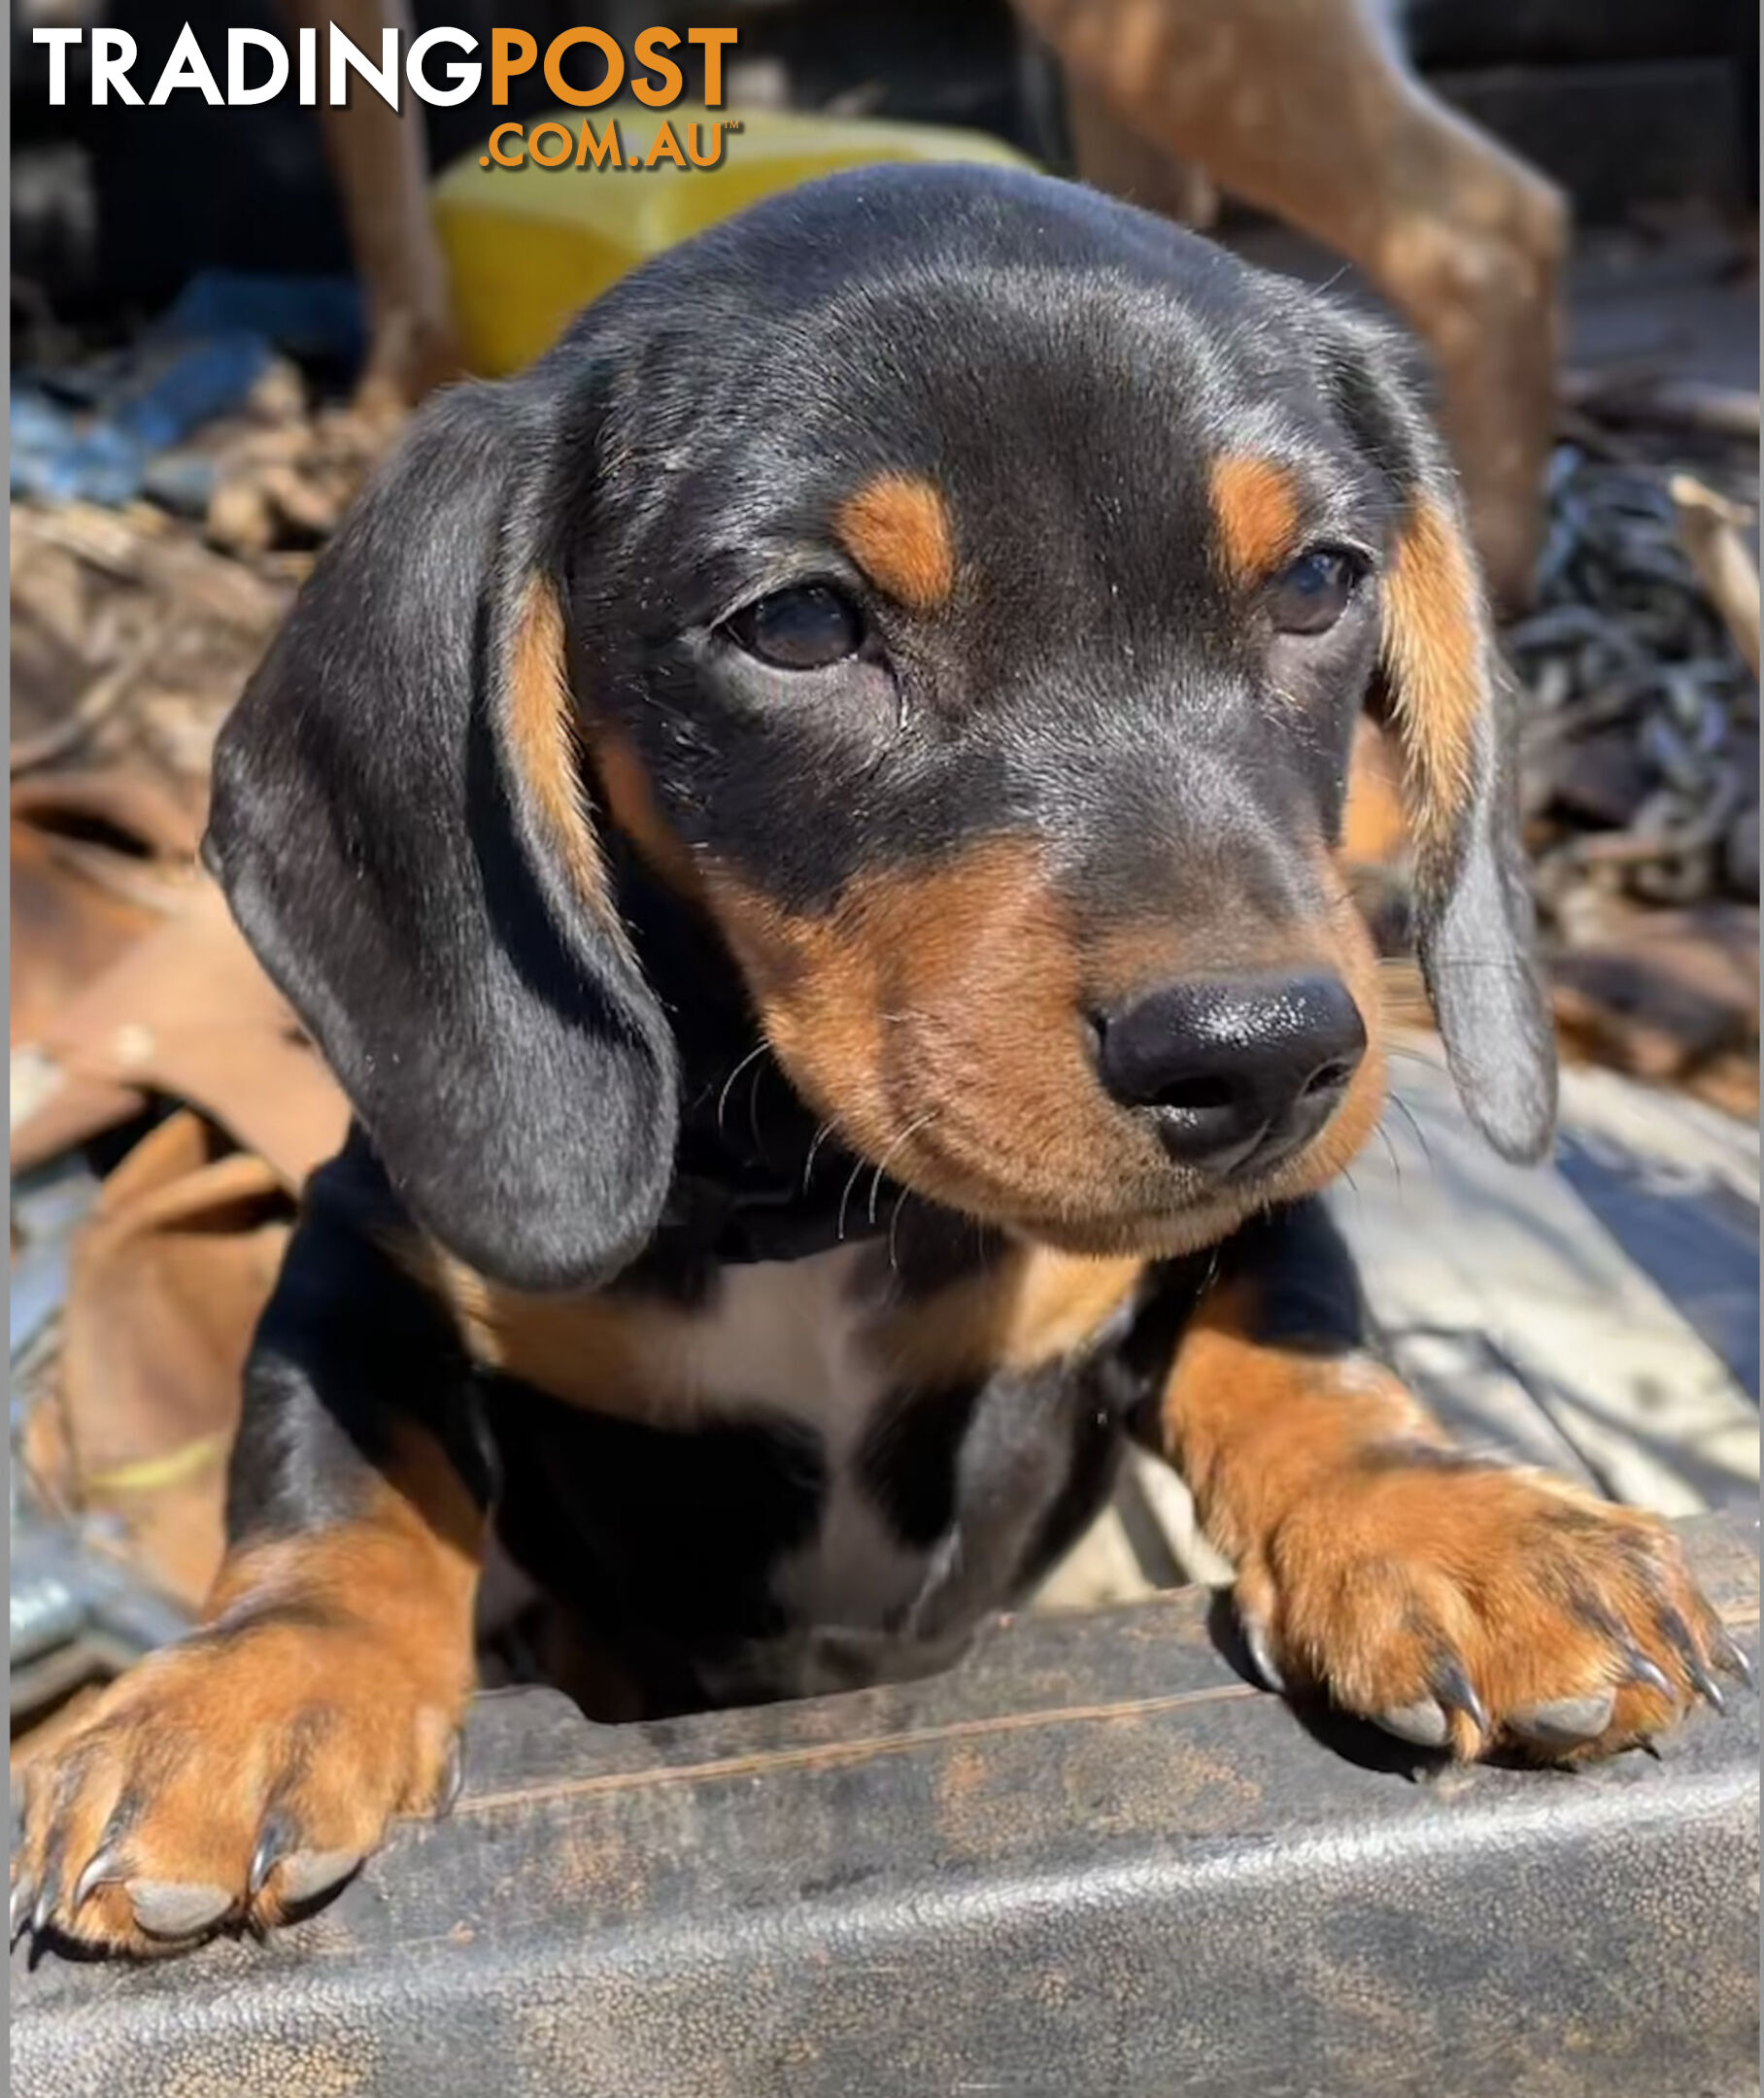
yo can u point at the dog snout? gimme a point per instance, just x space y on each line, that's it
1236 1073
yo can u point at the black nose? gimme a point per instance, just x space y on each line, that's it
1239 1072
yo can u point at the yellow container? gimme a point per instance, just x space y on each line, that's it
527 247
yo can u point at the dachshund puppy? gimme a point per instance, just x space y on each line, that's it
808 825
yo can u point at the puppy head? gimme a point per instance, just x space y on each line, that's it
960 590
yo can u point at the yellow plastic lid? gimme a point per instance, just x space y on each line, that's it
529 247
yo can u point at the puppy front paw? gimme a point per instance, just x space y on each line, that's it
235 1779
1473 1610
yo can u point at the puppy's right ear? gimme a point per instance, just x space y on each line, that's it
400 825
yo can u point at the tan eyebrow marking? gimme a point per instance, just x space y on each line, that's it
897 527
1256 509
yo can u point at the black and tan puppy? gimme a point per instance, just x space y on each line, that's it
808 825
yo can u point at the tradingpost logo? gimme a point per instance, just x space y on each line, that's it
439 67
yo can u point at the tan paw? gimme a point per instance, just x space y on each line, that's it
1473 1610
234 1779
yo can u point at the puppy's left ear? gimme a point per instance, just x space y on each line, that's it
1443 687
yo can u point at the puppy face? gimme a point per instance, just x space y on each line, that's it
982 714
963 591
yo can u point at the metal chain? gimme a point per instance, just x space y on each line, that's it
1623 636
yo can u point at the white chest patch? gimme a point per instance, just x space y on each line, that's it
793 1337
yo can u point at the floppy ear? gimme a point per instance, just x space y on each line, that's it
1443 687
399 826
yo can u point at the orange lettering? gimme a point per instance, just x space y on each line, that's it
503 63
584 97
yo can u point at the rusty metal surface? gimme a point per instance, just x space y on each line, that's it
1091 1860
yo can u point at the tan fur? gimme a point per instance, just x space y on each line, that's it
644 1360
1256 513
885 1008
1251 1428
1364 1564
1030 1307
1432 650
540 716
1317 118
629 801
1374 827
1345 943
599 1352
934 1017
328 1689
897 529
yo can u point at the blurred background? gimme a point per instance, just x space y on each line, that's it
221 316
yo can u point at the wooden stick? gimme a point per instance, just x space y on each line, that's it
1626 395
1709 526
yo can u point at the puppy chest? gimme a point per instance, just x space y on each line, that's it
794 1342
704 1472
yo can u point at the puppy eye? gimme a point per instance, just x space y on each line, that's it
805 628
1310 593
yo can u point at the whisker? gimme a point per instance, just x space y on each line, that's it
759 1050
1420 1134
753 1109
1396 1163
911 1129
820 1137
857 1174
893 1224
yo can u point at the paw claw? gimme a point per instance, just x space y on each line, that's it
1705 1684
272 1848
1644 1672
1679 1634
1566 1722
106 1866
1457 1693
169 1908
453 1777
24 1892
1261 1653
305 1875
1733 1658
1424 1723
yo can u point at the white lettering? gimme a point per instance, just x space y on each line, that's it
58 42
186 68
113 54
465 78
347 57
238 42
